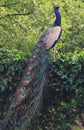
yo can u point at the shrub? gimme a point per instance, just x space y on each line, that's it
67 78
12 65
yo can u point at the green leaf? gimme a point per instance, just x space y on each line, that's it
1 68
2 87
5 81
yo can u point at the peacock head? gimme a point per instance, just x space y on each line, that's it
56 7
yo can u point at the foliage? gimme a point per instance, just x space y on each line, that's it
67 77
14 23
12 64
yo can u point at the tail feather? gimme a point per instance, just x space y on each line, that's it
28 96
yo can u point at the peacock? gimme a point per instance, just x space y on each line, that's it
54 32
28 95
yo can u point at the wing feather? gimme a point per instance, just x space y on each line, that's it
52 36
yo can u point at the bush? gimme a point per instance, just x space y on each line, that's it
67 78
12 65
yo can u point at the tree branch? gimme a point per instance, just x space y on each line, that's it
9 15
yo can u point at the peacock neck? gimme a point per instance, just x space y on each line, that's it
58 18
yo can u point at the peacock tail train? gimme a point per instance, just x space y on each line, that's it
28 97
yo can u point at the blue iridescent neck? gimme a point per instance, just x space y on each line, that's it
58 18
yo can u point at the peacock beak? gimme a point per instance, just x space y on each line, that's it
55 6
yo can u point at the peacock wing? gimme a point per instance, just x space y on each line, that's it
52 37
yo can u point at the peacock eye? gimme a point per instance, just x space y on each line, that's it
23 87
23 94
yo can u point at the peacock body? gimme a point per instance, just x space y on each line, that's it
28 96
54 32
